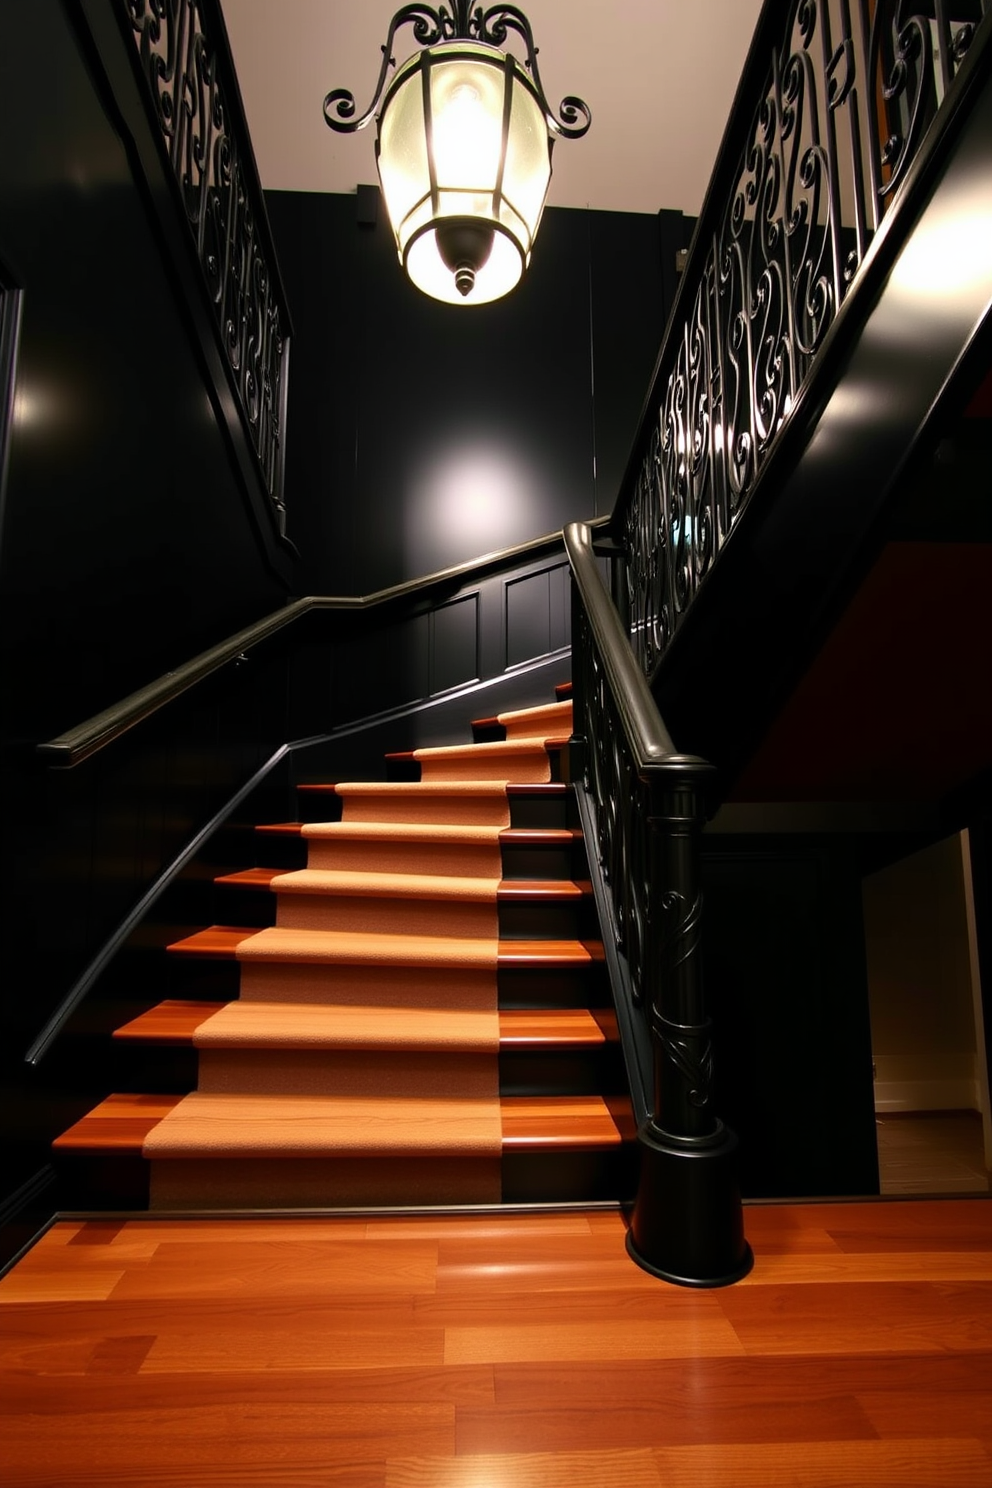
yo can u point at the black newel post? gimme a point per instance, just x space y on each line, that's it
687 1225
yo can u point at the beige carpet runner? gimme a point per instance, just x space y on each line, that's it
359 1063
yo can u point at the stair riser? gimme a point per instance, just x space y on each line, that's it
545 1071
517 987
523 987
531 1177
542 809
569 1176
555 1072
516 920
536 861
375 916
450 860
543 920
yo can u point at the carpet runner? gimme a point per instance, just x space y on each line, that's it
360 1059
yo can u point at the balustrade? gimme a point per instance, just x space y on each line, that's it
192 90
837 99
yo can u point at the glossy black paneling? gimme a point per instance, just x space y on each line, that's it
345 667
786 986
125 544
423 435
538 616
126 547
455 643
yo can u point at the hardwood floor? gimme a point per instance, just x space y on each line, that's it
500 1351
931 1152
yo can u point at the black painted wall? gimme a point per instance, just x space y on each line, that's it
787 988
126 547
421 434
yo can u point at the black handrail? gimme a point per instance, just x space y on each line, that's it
649 804
647 738
86 738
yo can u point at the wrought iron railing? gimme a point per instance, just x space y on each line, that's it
648 805
186 66
836 100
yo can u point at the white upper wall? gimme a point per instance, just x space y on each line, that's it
659 76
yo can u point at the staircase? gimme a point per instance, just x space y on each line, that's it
411 1010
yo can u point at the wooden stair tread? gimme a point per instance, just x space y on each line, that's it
496 748
346 882
402 885
543 888
545 954
217 941
547 719
249 878
171 1022
421 788
428 833
564 1121
120 1124
423 832
528 1028
222 941
174 1022
540 836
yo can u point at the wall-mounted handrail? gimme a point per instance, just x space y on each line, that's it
827 156
86 738
649 805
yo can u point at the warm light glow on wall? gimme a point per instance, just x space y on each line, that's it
476 498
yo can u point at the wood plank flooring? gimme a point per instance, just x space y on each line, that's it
931 1152
500 1351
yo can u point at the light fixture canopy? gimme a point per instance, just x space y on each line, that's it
465 135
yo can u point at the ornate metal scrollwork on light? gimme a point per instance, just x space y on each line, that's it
465 135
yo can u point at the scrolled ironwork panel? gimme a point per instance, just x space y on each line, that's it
621 809
179 64
844 102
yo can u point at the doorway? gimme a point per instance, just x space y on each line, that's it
932 1108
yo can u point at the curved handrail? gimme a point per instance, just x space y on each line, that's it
85 739
647 737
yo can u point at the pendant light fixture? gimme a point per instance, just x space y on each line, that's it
465 135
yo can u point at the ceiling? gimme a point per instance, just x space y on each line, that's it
659 76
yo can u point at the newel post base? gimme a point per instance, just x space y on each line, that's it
687 1224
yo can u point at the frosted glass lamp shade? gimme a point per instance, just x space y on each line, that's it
464 159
